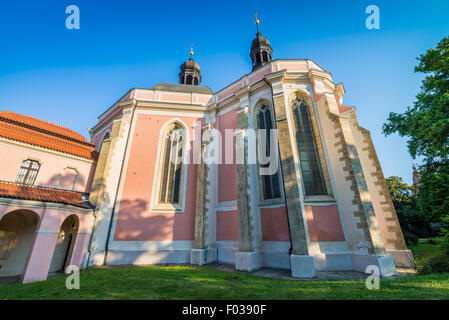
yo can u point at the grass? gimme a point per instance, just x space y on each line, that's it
424 251
187 282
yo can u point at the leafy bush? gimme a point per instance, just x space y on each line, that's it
438 264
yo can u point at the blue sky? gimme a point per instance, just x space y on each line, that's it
71 76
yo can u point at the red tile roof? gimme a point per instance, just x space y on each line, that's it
35 193
44 134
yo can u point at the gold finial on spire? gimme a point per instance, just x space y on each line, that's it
257 22
191 51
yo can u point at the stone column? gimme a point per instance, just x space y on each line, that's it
105 185
202 253
302 264
247 259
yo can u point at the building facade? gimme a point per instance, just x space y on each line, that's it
327 207
45 176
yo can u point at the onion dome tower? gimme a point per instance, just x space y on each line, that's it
190 71
261 50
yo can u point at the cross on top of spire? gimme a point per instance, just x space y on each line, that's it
257 23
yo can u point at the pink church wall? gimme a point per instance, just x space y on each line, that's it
52 165
226 172
274 224
135 222
324 223
227 226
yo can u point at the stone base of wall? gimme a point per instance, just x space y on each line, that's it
201 257
276 260
302 266
248 261
226 255
333 262
181 256
402 258
384 262
96 258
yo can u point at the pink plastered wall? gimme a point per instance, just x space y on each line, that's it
226 172
227 226
135 221
274 224
324 223
12 155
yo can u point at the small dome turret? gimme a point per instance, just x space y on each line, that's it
190 71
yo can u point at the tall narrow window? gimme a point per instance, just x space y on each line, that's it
172 166
270 183
308 151
28 172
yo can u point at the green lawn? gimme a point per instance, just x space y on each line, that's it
187 282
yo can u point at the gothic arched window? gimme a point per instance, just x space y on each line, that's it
172 166
311 169
270 183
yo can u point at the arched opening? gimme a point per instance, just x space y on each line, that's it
258 58
270 183
64 244
172 166
189 79
17 233
265 56
195 81
311 167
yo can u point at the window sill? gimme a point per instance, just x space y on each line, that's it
271 202
167 208
319 199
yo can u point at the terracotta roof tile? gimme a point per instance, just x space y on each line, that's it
35 193
44 134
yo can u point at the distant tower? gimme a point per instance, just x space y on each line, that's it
190 71
261 50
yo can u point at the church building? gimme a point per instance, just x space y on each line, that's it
173 175
327 207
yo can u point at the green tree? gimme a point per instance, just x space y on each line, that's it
426 126
414 224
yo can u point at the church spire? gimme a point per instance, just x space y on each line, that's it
261 50
190 71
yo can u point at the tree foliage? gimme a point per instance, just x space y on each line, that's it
426 126
426 123
413 222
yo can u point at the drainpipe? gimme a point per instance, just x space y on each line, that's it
282 175
119 180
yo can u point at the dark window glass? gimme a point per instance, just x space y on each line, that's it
172 166
189 79
195 82
265 56
28 172
270 183
258 58
308 151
